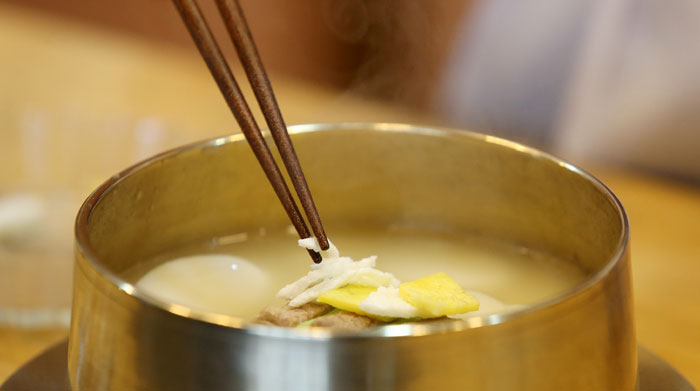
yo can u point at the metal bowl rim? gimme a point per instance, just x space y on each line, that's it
401 330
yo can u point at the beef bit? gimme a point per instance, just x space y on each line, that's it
345 320
291 316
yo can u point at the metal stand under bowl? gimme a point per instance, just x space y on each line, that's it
48 372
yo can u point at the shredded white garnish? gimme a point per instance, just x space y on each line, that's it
333 272
387 302
311 243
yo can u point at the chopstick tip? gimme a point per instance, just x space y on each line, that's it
323 242
315 256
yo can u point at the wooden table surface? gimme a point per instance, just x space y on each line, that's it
80 86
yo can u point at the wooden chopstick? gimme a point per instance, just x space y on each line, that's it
210 51
236 24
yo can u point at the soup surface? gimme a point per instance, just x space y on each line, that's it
240 274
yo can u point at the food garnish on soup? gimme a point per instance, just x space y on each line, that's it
357 295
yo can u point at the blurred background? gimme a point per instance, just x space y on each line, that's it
90 87
589 79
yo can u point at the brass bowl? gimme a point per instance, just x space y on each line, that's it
363 174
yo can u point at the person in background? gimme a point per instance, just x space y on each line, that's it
592 80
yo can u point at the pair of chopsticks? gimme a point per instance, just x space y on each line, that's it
237 27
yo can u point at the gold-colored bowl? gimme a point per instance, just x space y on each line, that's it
366 175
